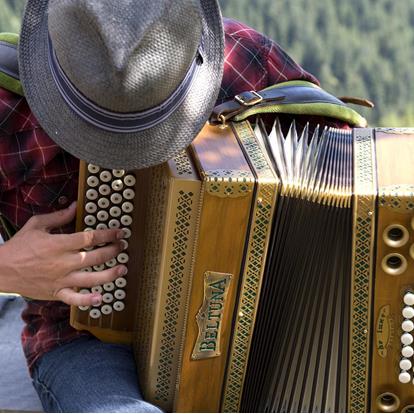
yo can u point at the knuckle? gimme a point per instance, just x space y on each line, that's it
89 238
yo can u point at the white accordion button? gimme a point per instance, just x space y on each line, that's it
93 169
104 189
117 185
129 194
106 309
125 244
129 180
127 207
84 291
102 215
119 306
101 226
91 208
109 287
407 339
83 308
107 297
99 268
126 220
407 325
408 312
120 294
116 198
114 224
121 282
405 364
97 289
90 220
127 233
404 377
407 351
122 258
105 176
118 173
103 202
111 263
95 313
115 211
92 181
409 299
91 194
87 269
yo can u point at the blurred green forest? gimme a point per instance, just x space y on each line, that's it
360 48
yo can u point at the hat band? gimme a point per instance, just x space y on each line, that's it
116 121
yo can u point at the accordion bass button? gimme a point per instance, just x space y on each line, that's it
104 189
129 180
118 173
97 289
121 282
93 169
103 202
115 211
111 263
101 226
91 194
83 308
109 287
405 364
126 220
91 207
407 339
119 306
114 224
92 181
404 377
108 297
408 312
102 215
409 299
120 294
95 313
407 351
122 258
127 207
129 194
106 309
125 244
127 233
117 185
116 198
407 325
105 176
99 268
90 220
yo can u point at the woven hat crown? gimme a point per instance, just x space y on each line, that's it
125 55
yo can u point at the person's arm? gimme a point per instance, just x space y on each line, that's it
40 265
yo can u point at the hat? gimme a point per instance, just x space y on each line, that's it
122 83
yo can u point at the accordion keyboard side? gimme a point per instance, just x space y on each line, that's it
173 194
392 387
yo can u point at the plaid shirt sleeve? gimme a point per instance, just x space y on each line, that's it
36 176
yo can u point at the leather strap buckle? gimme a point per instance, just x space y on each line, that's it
249 98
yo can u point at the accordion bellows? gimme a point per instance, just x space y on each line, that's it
272 270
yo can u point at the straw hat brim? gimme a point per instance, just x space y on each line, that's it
118 150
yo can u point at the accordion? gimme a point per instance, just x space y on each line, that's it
268 270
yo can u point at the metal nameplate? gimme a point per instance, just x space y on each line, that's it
209 317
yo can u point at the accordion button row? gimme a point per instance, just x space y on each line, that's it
407 339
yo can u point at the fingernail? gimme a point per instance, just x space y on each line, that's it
123 271
96 300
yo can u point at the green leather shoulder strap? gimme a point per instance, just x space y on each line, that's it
9 67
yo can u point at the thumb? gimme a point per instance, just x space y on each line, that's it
56 219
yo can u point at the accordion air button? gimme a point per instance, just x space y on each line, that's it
120 294
405 364
404 377
108 297
115 211
92 181
104 189
111 263
407 351
129 180
122 258
91 194
118 173
103 202
106 309
406 339
409 299
407 325
119 306
91 207
97 289
99 268
408 312
126 220
116 198
127 207
114 224
90 220
102 215
95 313
105 176
93 169
121 282
127 233
117 185
109 287
101 226
129 194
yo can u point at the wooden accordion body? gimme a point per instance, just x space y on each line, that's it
271 272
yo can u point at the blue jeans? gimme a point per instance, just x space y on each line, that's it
87 375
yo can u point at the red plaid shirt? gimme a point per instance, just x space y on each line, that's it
36 176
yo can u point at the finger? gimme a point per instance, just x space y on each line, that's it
70 297
97 256
53 220
87 239
90 279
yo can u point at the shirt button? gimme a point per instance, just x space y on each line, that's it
62 200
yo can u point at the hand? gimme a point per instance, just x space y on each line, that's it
40 265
